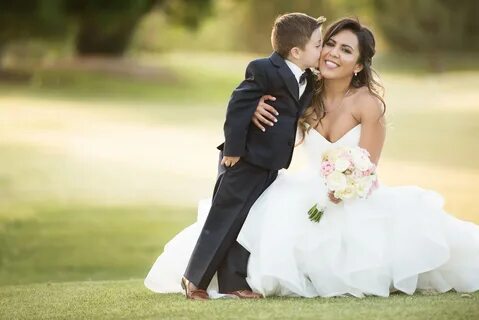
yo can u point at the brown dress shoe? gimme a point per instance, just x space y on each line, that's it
193 294
246 294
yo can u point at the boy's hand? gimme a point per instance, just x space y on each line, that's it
229 161
264 114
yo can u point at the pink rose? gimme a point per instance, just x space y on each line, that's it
326 168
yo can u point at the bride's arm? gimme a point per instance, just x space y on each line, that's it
373 126
370 113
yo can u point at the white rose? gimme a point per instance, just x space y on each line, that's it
351 181
363 188
345 194
334 154
336 181
356 153
364 185
360 160
341 165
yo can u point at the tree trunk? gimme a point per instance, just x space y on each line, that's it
94 38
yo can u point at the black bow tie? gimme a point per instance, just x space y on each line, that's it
302 79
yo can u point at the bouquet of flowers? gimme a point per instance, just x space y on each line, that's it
348 173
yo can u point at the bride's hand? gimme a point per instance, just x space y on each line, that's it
264 114
333 198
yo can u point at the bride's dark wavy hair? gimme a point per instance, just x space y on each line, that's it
366 77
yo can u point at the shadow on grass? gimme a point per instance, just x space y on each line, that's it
79 242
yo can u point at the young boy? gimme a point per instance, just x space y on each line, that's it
251 158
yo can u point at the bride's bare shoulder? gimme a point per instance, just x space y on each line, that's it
367 104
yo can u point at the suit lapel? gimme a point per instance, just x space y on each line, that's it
290 81
287 75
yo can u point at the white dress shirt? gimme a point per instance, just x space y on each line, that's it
297 74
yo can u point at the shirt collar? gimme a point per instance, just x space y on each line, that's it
295 69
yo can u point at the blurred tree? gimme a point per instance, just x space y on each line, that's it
188 13
29 19
103 27
22 20
106 26
429 26
258 16
253 31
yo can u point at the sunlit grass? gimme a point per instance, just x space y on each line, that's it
130 300
181 78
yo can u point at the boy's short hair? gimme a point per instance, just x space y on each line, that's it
293 30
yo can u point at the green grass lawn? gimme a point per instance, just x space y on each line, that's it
445 137
78 242
182 79
98 172
130 300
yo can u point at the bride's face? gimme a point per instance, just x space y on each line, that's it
340 56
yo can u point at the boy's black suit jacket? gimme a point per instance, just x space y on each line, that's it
272 149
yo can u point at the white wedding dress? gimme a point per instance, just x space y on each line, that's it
399 238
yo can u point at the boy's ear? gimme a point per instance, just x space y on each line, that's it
295 52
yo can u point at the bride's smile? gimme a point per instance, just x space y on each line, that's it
339 56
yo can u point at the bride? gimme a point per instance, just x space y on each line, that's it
399 238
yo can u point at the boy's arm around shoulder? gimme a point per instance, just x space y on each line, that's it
241 107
